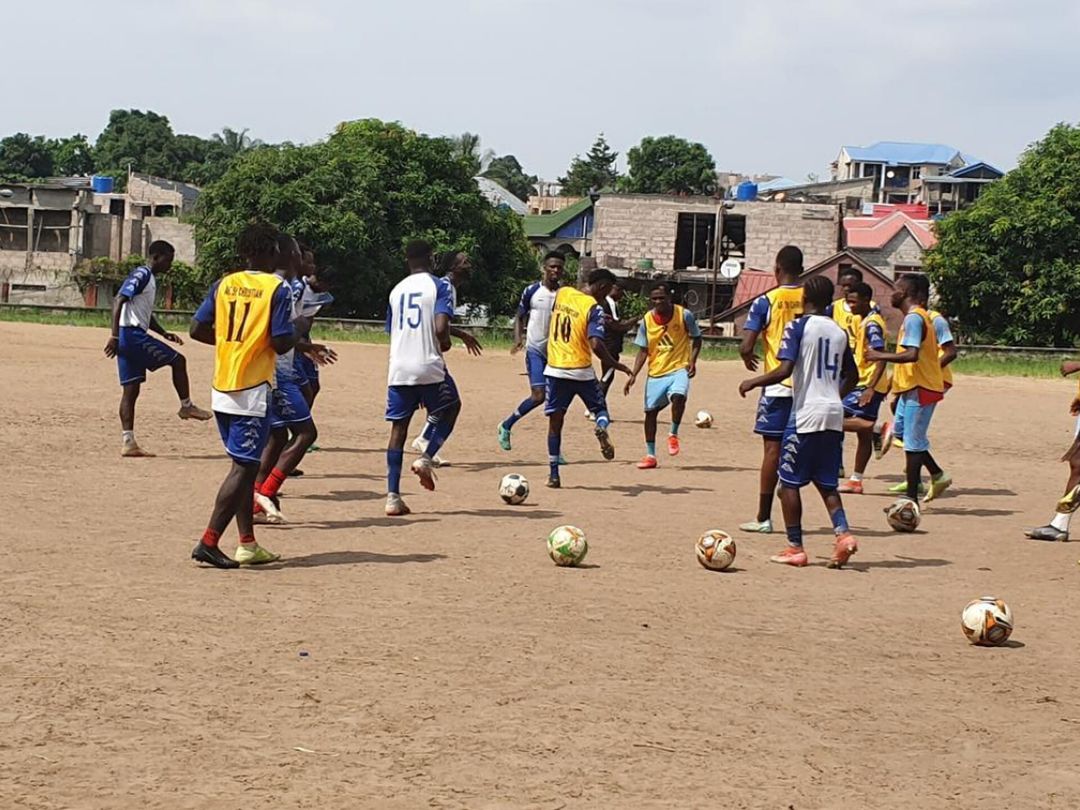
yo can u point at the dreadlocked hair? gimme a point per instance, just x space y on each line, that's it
818 290
257 239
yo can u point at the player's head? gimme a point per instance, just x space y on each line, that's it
846 278
911 289
788 264
817 295
257 245
290 259
456 266
661 298
858 297
616 293
600 282
418 256
308 260
553 266
320 279
160 256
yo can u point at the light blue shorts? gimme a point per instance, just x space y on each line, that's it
660 390
916 421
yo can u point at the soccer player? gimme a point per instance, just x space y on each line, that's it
246 318
136 352
670 340
418 319
531 331
314 295
576 333
614 330
1057 530
918 380
455 267
840 309
861 405
815 354
769 316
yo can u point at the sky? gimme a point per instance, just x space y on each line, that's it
773 86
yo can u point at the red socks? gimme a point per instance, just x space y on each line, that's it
273 483
210 538
246 539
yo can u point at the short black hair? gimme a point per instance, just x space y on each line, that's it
257 239
601 275
918 285
851 272
790 260
662 285
818 291
285 242
862 289
160 248
553 254
447 261
417 250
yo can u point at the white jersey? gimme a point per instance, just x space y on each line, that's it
415 357
140 288
285 364
817 346
537 302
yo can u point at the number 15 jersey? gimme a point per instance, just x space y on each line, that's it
415 357
576 318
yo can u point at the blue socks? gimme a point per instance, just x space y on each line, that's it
839 521
394 460
794 536
525 407
429 428
674 429
554 445
439 434
650 448
603 420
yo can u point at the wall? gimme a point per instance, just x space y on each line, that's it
635 227
902 249
180 235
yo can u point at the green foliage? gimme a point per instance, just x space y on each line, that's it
508 173
189 284
357 198
593 173
72 157
23 157
142 140
1007 269
466 148
670 165
633 305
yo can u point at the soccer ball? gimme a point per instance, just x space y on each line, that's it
514 489
567 546
987 622
715 550
703 419
903 515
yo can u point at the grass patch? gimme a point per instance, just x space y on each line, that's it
1008 365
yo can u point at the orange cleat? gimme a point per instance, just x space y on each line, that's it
647 463
791 556
846 545
673 445
851 487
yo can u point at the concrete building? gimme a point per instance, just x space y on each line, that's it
893 243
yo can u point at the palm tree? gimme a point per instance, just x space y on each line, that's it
467 148
236 142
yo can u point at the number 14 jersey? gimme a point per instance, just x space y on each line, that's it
576 318
817 347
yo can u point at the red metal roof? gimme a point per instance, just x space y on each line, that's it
751 284
913 210
868 233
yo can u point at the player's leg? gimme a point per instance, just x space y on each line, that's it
534 368
771 422
860 420
1057 530
678 391
157 354
401 402
794 475
827 450
129 395
560 395
592 394
649 462
281 413
130 365
917 417
443 405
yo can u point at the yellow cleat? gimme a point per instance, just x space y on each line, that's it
937 486
1070 501
254 554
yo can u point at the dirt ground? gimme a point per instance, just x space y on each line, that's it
443 661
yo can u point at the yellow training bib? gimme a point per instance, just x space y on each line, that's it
785 305
244 357
946 373
568 336
867 367
926 371
669 343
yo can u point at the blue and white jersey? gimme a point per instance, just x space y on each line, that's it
941 329
140 288
817 346
285 365
537 302
415 357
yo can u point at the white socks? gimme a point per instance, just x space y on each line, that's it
129 436
856 476
185 403
1061 521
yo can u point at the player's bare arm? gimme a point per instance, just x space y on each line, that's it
282 343
746 350
472 345
202 332
172 337
694 352
601 351
910 355
639 362
774 377
112 346
442 331
948 353
850 374
520 322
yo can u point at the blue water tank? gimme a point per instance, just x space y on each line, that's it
746 191
101 184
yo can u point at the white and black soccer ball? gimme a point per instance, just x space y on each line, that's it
703 419
903 516
715 550
987 622
514 489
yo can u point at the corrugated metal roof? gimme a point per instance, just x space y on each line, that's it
867 233
897 153
540 225
751 284
498 195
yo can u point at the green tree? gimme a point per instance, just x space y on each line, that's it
235 142
466 148
142 140
1008 267
593 173
357 198
507 172
23 157
670 165
72 156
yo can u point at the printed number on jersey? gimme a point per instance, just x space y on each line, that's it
413 310
828 362
238 337
563 328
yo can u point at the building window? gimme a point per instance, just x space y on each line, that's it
916 172
28 288
13 229
51 231
694 242
901 269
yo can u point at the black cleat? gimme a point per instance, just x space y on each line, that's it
607 449
554 482
212 555
297 473
1048 533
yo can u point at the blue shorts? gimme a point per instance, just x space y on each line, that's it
307 369
535 363
244 437
660 390
853 410
915 421
773 414
287 405
139 353
561 393
403 400
816 457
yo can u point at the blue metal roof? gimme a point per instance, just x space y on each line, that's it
895 153
777 184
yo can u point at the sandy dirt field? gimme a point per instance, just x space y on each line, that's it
450 664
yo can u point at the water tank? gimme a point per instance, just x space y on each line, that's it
101 184
746 191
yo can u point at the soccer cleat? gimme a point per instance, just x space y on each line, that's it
851 487
554 482
647 463
132 450
937 486
297 473
607 449
875 441
212 555
901 488
270 507
884 440
504 438
395 506
846 545
254 554
562 460
424 469
757 527
1070 501
1048 533
194 412
314 448
673 445
792 556
590 416
420 445
841 473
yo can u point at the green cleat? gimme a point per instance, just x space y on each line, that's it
254 554
937 486
504 437
757 527
901 488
